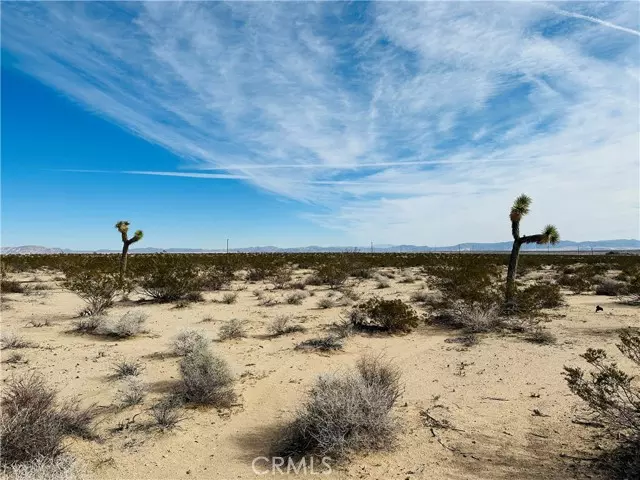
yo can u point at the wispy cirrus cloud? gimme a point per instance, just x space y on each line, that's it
428 116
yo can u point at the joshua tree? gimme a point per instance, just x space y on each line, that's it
123 228
549 235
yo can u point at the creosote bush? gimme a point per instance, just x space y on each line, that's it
345 413
388 315
172 280
128 325
233 329
97 289
188 341
34 424
325 303
206 379
614 396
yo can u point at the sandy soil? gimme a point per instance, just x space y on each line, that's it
488 392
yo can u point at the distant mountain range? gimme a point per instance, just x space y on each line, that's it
566 245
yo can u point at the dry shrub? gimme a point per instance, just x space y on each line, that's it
62 467
323 344
34 424
325 303
128 325
610 287
386 315
268 301
282 325
133 392
541 336
166 413
92 325
296 298
97 289
128 368
423 296
206 379
614 397
346 413
188 341
234 328
473 318
11 341
229 298
538 296
11 286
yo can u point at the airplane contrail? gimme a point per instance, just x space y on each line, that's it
592 19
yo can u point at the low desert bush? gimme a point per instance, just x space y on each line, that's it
128 325
128 368
216 278
167 412
229 298
206 379
268 301
15 357
575 283
234 328
610 287
333 274
296 298
345 413
133 392
324 344
541 336
92 325
382 283
11 341
280 276
171 280
34 424
97 289
188 341
388 315
62 467
283 324
325 303
473 318
11 286
423 296
614 397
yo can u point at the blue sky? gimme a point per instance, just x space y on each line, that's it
317 123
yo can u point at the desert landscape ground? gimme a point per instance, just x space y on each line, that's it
478 401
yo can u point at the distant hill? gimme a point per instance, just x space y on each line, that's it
565 245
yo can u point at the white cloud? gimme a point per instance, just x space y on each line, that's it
427 118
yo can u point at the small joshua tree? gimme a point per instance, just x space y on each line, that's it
549 234
123 228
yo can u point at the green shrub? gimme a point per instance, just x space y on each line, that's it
614 397
97 289
171 281
387 315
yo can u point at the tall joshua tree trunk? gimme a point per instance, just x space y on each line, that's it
550 235
123 227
